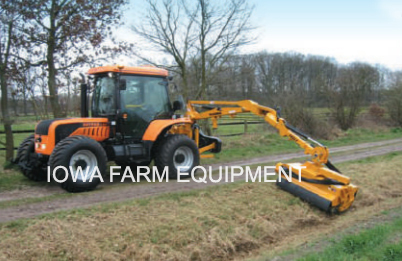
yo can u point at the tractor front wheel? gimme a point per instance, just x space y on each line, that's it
74 153
177 152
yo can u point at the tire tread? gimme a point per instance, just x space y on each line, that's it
61 150
35 174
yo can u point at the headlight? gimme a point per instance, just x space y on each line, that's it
43 146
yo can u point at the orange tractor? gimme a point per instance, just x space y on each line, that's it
133 122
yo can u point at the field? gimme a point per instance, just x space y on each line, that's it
237 221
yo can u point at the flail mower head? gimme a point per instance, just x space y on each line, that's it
318 185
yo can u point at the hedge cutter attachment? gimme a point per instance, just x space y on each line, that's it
316 181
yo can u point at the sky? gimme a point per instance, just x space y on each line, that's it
354 30
347 30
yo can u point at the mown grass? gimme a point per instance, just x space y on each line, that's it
217 223
383 242
270 143
13 179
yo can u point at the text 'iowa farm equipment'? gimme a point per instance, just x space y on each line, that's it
133 122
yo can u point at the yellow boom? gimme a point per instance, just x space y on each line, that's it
321 184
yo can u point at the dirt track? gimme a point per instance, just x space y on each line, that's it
143 190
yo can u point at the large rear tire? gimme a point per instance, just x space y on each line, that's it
78 151
30 165
177 151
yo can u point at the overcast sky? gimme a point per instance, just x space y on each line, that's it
348 30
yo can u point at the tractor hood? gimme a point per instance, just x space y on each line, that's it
49 132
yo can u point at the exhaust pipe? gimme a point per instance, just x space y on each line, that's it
84 98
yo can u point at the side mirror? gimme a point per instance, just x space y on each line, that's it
122 84
177 105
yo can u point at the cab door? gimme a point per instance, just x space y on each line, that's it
144 99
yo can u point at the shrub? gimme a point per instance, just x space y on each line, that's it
303 119
376 112
394 104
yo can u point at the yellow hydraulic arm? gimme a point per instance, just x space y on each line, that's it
320 183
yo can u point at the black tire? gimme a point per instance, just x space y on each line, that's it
171 152
68 148
30 165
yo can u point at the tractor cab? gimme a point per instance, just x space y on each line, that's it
132 96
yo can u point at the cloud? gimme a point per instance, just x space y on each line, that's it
392 8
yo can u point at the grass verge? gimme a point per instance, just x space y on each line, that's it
382 242
218 223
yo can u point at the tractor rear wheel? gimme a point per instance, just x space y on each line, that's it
177 151
28 161
75 152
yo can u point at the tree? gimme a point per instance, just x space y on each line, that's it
169 31
352 85
9 22
22 78
203 34
222 30
68 33
394 99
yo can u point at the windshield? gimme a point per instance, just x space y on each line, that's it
144 96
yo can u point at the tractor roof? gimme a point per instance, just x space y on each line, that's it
140 70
